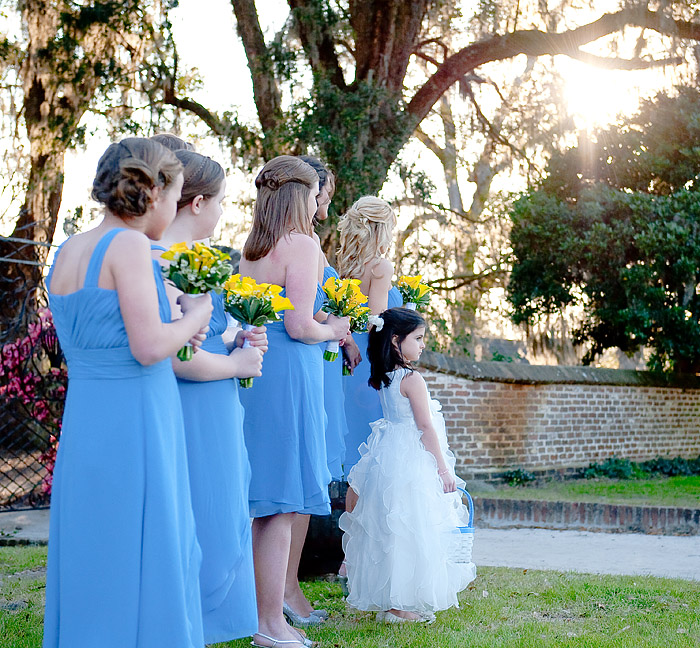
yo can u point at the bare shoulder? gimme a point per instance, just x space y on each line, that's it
382 268
127 246
302 244
413 383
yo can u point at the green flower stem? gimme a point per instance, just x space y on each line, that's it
185 353
245 383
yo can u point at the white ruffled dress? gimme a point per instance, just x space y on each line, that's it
399 540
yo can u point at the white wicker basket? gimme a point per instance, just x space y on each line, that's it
463 536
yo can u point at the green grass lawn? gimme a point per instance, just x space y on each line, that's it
503 607
658 491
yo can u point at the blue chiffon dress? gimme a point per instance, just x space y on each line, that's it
219 480
334 403
362 405
123 565
284 428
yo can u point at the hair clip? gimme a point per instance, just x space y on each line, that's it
376 321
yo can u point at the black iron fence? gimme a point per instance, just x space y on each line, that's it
32 381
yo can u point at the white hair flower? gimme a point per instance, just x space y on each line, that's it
376 321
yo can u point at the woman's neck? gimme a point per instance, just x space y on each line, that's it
178 232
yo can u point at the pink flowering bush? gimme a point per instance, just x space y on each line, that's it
33 381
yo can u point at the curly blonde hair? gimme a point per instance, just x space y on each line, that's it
365 233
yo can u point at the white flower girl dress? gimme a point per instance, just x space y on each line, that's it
398 540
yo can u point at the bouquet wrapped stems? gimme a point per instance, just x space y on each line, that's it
416 295
253 304
195 271
331 351
246 383
344 299
186 353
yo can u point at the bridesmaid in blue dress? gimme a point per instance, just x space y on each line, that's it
216 452
284 417
296 606
123 565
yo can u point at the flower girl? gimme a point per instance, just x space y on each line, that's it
397 540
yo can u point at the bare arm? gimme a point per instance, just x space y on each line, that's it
128 261
379 286
413 387
300 283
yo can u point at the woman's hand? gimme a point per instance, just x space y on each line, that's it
247 362
449 485
353 357
257 337
339 325
198 308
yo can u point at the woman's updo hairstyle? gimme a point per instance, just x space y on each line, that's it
365 234
282 204
202 176
172 142
383 354
127 173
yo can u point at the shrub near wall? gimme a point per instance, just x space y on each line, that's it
502 416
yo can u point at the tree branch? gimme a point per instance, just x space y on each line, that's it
537 43
265 91
317 40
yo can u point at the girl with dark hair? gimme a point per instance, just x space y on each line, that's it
216 452
123 565
397 538
284 417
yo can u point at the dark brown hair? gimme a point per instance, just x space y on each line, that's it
382 354
281 206
172 142
127 173
202 176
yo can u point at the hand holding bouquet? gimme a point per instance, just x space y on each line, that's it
416 295
253 304
344 299
195 271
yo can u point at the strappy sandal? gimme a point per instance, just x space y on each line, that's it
275 642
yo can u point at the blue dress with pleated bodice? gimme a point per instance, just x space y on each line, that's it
123 564
219 478
334 403
284 427
362 404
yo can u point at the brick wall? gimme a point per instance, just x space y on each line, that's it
502 416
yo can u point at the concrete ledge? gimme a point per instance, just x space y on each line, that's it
495 513
513 372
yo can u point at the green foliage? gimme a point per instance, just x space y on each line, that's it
619 468
518 477
614 229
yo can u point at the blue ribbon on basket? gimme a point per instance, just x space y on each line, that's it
470 505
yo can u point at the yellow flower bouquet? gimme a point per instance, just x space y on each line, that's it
253 304
344 299
416 295
195 271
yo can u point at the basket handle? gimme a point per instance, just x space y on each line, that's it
470 505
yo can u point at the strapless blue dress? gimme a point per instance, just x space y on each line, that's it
284 428
123 565
219 480
334 403
362 404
